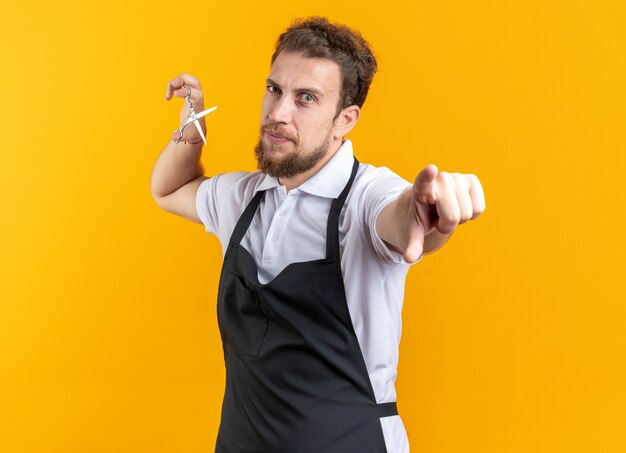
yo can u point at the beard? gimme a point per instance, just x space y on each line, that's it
294 163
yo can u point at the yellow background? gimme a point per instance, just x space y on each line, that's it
514 332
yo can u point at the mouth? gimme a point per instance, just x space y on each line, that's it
276 138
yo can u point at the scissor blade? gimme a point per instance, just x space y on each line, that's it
200 130
205 112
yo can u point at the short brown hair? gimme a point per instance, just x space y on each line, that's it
316 37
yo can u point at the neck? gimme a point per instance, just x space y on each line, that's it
300 178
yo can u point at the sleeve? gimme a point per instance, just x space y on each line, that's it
212 195
385 186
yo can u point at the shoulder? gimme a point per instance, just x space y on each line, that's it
375 183
237 185
223 196
372 190
235 179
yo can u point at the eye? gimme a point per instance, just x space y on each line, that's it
307 98
272 89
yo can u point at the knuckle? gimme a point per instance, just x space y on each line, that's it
447 229
452 219
477 212
445 176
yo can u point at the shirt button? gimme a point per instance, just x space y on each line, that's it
275 237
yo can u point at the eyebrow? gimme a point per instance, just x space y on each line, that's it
307 89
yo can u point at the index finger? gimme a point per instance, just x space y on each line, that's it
424 184
178 82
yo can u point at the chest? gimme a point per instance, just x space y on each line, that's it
287 228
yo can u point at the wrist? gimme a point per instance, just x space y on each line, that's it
192 142
177 138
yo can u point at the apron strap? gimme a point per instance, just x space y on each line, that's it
387 409
246 219
332 228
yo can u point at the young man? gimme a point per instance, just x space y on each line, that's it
316 250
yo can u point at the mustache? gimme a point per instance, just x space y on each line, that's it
276 129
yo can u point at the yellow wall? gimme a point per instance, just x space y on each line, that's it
513 336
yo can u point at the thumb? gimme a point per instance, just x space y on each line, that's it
424 185
415 246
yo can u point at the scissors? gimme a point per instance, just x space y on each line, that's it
193 118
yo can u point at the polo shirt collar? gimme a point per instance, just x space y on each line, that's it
329 181
268 182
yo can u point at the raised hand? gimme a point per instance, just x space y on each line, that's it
175 87
441 201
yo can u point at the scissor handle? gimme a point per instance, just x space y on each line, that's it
180 131
193 116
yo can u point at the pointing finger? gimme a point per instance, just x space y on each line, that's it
424 185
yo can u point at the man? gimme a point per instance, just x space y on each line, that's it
316 250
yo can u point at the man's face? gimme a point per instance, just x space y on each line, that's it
297 115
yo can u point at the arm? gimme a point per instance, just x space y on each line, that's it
178 171
176 177
422 219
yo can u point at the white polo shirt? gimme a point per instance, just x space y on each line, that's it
291 227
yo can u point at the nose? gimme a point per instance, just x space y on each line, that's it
280 111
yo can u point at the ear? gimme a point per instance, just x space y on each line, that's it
346 120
